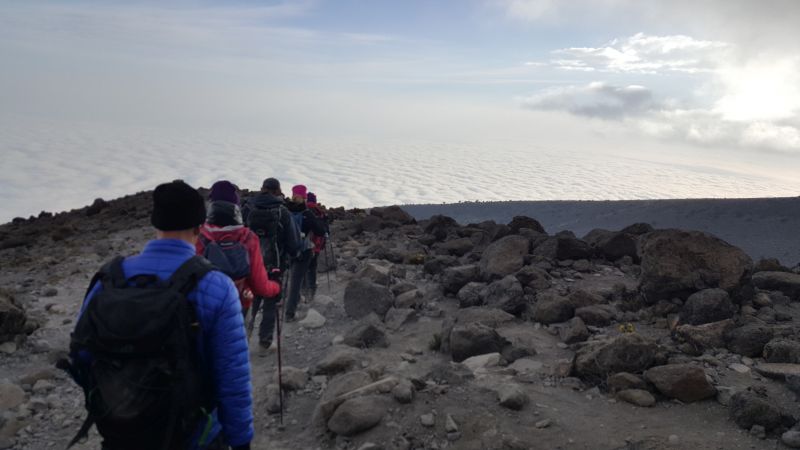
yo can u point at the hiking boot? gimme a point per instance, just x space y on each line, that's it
264 348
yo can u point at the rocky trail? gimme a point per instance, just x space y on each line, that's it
437 335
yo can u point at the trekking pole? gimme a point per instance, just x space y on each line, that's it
328 271
253 313
333 256
280 366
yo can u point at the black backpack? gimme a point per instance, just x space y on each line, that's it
228 256
267 225
144 388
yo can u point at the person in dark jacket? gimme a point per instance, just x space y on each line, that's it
309 226
178 212
266 214
224 224
319 241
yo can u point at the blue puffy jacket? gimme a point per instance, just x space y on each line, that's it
223 348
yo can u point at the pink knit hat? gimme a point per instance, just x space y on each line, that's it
300 191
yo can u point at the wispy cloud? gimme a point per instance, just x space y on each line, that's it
643 53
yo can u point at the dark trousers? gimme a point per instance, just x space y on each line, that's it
266 328
299 270
311 274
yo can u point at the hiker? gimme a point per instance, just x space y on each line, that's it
159 347
309 226
269 219
319 242
232 247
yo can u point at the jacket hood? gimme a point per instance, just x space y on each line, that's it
221 213
265 200
296 207
228 233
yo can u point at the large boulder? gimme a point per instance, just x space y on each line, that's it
534 277
457 247
613 245
12 318
505 294
685 382
338 360
596 315
785 282
375 273
625 353
699 338
677 263
748 409
440 226
357 415
707 306
504 257
438 264
748 340
454 278
366 335
362 297
470 294
563 247
473 339
782 351
552 308
520 222
393 214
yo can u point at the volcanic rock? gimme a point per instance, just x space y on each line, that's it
706 306
685 382
677 263
504 257
785 282
363 297
473 339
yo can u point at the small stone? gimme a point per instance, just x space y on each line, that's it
50 292
408 358
450 424
8 348
674 439
740 368
454 436
403 392
543 423
42 386
791 439
427 420
758 431
11 395
637 397
313 319
512 396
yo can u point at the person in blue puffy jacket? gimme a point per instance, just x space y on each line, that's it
178 212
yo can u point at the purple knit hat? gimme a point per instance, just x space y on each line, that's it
224 191
312 197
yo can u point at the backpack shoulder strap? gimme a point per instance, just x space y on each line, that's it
110 272
190 273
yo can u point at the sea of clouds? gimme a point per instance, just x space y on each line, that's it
56 167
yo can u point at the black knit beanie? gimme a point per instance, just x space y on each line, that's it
177 206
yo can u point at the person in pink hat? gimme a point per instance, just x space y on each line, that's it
309 226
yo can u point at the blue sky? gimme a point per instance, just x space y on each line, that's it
705 84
